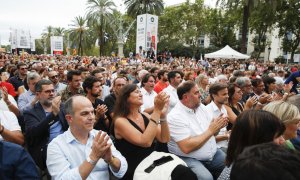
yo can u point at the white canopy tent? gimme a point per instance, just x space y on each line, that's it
227 53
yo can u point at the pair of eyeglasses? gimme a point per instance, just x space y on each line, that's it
49 91
55 76
23 68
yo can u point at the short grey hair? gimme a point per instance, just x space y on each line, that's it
241 81
69 106
32 76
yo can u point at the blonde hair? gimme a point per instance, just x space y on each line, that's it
286 112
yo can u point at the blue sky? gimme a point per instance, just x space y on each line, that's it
35 15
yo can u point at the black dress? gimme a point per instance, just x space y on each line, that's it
133 154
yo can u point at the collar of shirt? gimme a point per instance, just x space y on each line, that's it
30 93
185 108
143 91
80 91
70 138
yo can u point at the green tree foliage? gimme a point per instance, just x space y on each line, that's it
80 34
220 28
261 22
288 16
137 7
99 15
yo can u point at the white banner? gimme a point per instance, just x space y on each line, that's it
32 44
56 44
23 39
297 58
146 37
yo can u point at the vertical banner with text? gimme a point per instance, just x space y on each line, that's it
57 46
146 37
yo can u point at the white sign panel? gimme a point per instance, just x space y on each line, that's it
146 38
32 45
56 44
23 39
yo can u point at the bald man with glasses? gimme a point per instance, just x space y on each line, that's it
54 78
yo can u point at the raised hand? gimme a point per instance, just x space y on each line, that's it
101 110
160 100
217 124
56 105
251 102
100 146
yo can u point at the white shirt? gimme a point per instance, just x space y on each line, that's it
105 92
3 105
183 123
172 92
9 121
148 99
65 154
214 112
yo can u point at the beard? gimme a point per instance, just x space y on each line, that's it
47 102
95 94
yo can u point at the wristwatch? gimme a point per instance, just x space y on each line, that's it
89 160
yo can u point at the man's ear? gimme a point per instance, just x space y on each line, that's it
69 118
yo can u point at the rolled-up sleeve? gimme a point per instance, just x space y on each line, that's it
124 165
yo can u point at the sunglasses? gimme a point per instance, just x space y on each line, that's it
52 77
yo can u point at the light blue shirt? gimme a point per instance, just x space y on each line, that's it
65 154
24 100
59 87
55 129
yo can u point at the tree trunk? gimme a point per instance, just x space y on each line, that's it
245 29
79 46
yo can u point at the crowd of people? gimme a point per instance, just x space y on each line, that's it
72 117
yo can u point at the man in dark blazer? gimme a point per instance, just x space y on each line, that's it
44 121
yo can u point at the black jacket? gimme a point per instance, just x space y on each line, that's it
37 131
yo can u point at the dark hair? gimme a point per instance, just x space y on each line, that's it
231 91
256 82
172 75
20 64
146 78
122 108
72 73
38 86
161 73
267 161
119 77
96 71
152 70
215 88
83 69
252 127
267 81
88 83
184 88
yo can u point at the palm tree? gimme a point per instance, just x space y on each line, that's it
137 7
78 32
59 31
48 32
99 13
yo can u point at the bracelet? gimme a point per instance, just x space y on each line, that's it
2 130
163 120
154 121
109 162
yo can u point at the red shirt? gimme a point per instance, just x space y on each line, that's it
10 88
160 86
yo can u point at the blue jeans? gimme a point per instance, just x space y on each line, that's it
207 170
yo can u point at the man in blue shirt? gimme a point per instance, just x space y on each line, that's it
44 121
16 163
82 152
